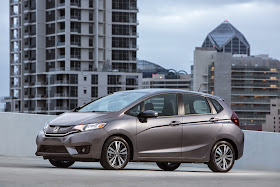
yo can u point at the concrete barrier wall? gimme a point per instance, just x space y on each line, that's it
18 134
261 151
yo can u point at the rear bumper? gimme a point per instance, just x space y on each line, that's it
81 146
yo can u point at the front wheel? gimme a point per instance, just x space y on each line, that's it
115 153
61 163
168 166
222 157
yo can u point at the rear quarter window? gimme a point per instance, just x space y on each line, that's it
216 105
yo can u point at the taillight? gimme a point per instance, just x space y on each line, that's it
234 118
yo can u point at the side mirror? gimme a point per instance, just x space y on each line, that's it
148 114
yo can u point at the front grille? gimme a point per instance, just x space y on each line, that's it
53 149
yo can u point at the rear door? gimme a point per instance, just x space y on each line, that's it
161 136
200 126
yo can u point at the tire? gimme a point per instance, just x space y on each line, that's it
61 163
115 153
168 166
222 157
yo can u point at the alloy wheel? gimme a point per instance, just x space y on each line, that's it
223 156
117 154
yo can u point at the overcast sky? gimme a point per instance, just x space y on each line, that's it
170 29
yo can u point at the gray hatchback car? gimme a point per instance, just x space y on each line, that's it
165 126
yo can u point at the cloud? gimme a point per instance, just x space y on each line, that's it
170 31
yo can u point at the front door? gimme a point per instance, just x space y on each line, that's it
161 136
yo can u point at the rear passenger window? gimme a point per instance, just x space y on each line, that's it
216 105
196 105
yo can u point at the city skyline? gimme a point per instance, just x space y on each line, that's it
190 22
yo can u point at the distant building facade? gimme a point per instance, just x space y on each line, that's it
247 83
66 53
272 123
155 76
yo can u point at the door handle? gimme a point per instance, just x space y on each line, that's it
175 123
213 120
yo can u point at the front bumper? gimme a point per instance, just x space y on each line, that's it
79 146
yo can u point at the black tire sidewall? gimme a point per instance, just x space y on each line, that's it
164 166
60 164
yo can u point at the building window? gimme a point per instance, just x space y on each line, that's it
113 80
112 90
120 55
90 3
90 15
90 55
94 79
90 29
85 78
75 65
90 42
94 91
73 91
85 91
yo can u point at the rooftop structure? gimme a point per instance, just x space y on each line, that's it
226 38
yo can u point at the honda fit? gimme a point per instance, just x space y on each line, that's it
165 126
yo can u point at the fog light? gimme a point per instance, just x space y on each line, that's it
83 149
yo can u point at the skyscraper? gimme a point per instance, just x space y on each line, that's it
64 53
223 67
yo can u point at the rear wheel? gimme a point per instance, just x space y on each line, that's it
115 153
168 166
61 163
222 157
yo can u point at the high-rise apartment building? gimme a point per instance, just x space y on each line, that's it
64 53
272 123
223 67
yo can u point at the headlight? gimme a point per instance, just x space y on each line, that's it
88 127
46 126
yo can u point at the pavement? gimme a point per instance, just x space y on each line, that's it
34 171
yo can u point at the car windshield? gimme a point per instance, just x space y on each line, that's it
112 103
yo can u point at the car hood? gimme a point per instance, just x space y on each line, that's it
76 118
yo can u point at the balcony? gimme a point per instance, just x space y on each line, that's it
76 30
60 5
61 18
41 96
15 62
14 1
15 73
61 57
75 4
14 86
76 43
76 56
61 82
75 17
60 44
61 95
61 31
14 14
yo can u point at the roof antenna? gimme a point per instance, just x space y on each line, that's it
200 87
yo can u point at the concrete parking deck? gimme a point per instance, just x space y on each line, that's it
34 171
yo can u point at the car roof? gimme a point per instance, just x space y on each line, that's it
153 91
